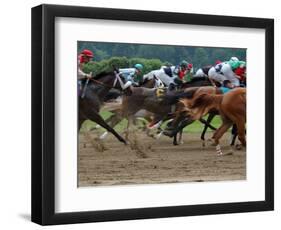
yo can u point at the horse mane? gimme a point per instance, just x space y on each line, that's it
103 74
205 100
174 98
203 78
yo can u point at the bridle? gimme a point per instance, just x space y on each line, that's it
117 79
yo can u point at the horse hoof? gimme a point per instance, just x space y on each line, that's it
123 141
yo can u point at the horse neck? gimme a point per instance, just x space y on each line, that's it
149 84
196 83
102 86
206 100
216 101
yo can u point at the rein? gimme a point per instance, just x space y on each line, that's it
101 83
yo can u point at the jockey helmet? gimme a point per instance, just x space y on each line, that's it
184 64
87 53
218 62
234 59
139 66
189 66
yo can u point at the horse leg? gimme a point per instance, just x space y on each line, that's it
180 136
241 132
219 133
234 134
175 139
112 122
209 119
127 132
94 116
81 118
81 121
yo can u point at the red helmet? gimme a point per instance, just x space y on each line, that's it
189 66
87 53
218 62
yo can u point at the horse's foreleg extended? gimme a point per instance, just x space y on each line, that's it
112 122
176 140
99 120
219 133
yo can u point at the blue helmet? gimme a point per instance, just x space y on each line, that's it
139 66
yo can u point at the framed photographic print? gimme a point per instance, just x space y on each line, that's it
142 114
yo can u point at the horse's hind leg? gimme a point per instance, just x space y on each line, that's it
241 132
234 134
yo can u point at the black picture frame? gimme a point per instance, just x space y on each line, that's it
43 114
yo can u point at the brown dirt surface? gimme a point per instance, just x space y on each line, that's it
148 161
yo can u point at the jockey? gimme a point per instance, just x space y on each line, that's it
183 69
203 72
133 75
84 57
227 71
183 73
240 72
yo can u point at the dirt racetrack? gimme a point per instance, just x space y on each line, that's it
147 161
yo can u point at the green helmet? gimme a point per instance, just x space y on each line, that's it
139 66
184 63
242 64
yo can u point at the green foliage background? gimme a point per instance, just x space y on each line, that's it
124 55
108 65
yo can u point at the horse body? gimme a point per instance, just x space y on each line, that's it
96 91
231 106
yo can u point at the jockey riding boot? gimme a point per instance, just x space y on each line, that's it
171 87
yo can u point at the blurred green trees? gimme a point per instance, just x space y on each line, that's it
124 55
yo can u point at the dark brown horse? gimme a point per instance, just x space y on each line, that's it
95 93
162 111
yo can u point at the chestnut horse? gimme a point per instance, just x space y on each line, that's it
231 107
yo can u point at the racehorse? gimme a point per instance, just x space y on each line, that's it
95 92
231 107
180 122
132 104
198 81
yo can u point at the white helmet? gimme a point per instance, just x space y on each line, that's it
234 59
